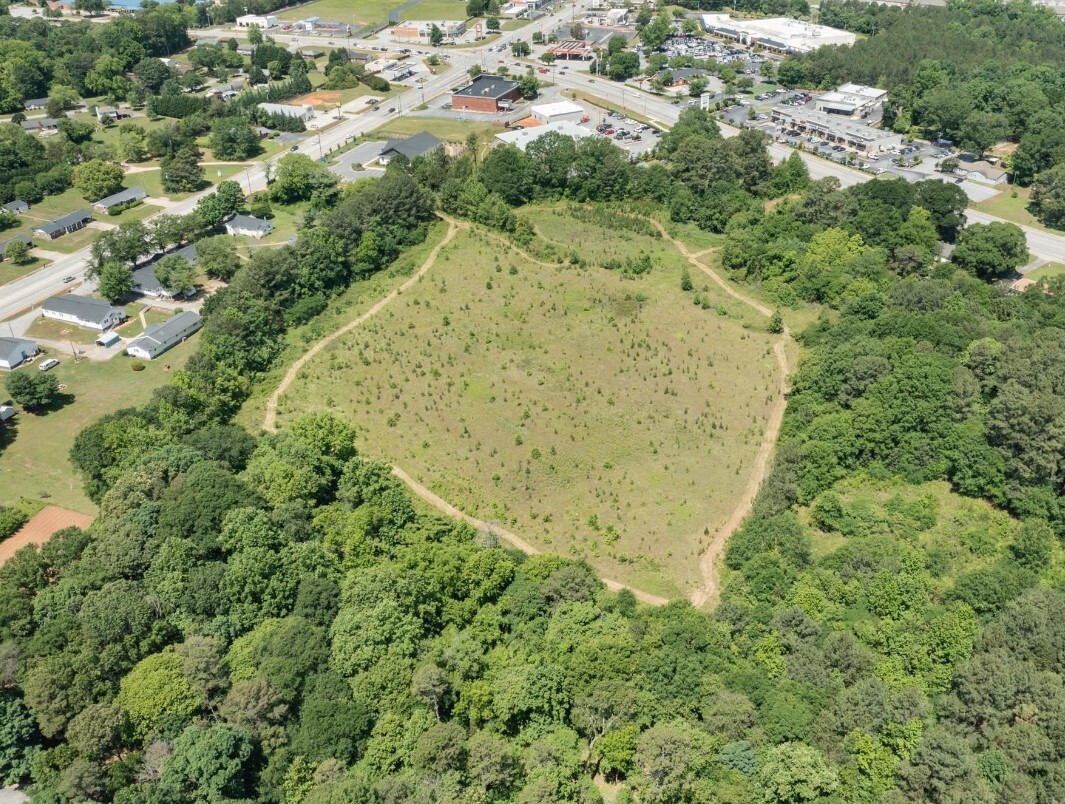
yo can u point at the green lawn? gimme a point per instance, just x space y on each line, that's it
152 180
360 12
594 414
9 272
450 130
1047 271
1005 206
34 465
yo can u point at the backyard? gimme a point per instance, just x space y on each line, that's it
34 465
591 411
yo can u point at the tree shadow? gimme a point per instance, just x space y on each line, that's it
62 399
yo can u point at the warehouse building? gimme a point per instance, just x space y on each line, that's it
486 93
258 20
778 34
558 112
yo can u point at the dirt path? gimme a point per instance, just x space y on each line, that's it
708 561
515 541
41 527
270 417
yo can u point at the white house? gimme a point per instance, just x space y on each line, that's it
302 112
259 20
249 226
157 338
84 311
15 351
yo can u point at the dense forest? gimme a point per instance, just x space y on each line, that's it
269 618
976 72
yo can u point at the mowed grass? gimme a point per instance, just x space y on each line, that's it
1047 271
592 414
1005 206
33 461
450 130
359 12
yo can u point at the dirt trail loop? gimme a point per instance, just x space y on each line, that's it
708 561
270 417
445 507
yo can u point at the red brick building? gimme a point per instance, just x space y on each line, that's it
486 93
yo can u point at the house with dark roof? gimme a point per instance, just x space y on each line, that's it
40 124
146 283
20 238
411 147
15 351
122 198
84 311
249 226
34 103
226 91
109 113
65 225
157 338
486 93
17 207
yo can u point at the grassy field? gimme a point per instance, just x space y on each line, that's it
9 272
360 12
152 181
1005 206
593 414
34 464
1047 271
450 130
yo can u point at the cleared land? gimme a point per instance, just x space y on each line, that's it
588 411
41 528
33 458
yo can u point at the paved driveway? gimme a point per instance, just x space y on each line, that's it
358 156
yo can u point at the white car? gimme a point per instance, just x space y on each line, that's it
48 364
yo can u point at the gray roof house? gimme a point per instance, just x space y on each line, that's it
65 225
147 283
121 198
109 113
411 147
15 351
20 238
248 225
34 103
17 207
39 124
157 338
84 311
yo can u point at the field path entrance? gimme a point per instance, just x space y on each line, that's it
710 589
270 417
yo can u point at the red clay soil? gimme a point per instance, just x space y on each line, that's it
40 529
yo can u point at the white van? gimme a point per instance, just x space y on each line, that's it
48 364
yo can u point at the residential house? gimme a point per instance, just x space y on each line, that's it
110 113
120 199
15 351
34 103
65 225
17 207
411 147
84 311
249 226
39 124
157 338
147 283
20 238
226 91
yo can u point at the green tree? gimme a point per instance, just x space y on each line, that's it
210 764
155 693
18 738
436 36
655 33
96 179
182 172
1048 196
115 280
216 257
32 389
225 202
234 139
18 252
520 48
299 178
991 250
793 773
176 274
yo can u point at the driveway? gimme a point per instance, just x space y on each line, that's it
359 155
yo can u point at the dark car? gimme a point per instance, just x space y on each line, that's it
391 109
294 148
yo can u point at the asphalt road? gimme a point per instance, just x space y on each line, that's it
24 293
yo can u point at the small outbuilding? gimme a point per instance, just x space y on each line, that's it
108 338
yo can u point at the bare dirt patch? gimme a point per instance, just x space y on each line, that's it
319 98
40 529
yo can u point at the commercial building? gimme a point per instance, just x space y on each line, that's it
411 147
778 34
420 30
15 351
852 100
249 226
65 225
83 311
617 16
19 238
850 133
157 338
486 93
120 199
521 137
558 112
258 20
573 49
301 112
